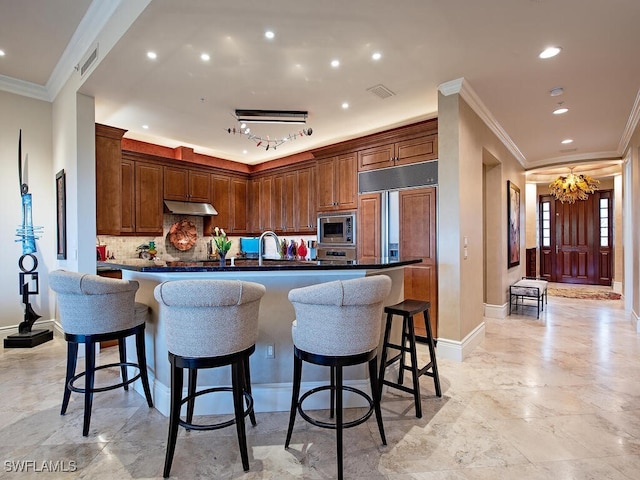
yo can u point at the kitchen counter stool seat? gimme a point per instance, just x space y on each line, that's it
209 324
407 310
94 309
338 324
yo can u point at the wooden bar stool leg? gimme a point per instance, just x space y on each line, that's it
414 367
333 392
432 353
122 350
383 357
339 443
174 416
72 360
237 381
89 375
191 391
375 394
295 395
403 350
247 386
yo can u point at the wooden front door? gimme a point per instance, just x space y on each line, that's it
576 239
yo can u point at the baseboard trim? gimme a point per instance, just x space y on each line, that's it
496 311
459 350
617 287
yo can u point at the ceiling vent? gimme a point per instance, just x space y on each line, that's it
381 91
88 60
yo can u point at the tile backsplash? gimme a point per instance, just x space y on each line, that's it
124 248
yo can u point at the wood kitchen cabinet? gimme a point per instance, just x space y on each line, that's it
305 212
261 204
186 185
336 183
369 233
418 239
414 150
294 205
142 204
229 197
108 179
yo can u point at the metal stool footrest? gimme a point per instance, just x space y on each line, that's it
108 387
319 423
215 426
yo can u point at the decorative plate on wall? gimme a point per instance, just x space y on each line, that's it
183 235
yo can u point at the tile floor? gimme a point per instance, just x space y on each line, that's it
554 398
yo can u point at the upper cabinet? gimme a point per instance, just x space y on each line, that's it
336 183
414 150
141 197
229 198
186 185
108 179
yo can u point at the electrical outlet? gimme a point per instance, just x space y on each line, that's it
271 351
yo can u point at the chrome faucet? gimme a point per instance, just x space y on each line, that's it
261 247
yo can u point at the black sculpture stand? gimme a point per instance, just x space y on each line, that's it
28 340
26 337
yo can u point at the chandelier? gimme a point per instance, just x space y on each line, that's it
270 116
573 187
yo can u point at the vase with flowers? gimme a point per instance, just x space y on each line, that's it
223 244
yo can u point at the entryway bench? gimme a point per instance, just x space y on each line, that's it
528 288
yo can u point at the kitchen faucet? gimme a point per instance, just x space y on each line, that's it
260 246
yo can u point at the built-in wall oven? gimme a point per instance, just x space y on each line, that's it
337 236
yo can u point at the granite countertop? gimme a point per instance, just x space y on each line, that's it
242 264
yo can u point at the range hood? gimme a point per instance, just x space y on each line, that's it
188 208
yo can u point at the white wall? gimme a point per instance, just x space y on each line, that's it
34 118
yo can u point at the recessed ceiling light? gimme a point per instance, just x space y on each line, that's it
245 151
557 91
269 34
376 56
567 141
345 105
205 57
1 53
146 127
152 55
335 63
550 52
560 111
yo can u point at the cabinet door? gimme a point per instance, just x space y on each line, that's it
176 184
369 226
418 239
221 199
289 201
278 203
326 184
149 204
254 220
376 157
346 182
267 209
199 186
108 180
128 197
417 150
306 203
239 195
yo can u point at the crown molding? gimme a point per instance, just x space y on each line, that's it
463 88
84 38
20 87
630 127
580 157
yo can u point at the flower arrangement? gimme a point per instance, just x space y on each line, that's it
223 244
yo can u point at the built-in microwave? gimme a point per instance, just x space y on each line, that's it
337 229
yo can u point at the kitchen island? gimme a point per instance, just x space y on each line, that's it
272 362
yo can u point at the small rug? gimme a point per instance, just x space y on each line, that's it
581 292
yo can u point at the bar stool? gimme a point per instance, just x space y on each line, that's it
407 310
209 324
94 309
338 324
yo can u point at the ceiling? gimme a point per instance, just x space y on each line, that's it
492 44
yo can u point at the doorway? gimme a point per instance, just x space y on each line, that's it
576 239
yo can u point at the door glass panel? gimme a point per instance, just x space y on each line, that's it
604 222
546 224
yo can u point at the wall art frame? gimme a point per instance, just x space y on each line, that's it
513 224
61 215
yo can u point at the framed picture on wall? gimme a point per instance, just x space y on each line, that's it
61 215
513 224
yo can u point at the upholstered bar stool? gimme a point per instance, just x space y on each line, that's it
338 324
407 310
209 323
94 309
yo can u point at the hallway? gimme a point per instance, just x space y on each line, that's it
554 398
